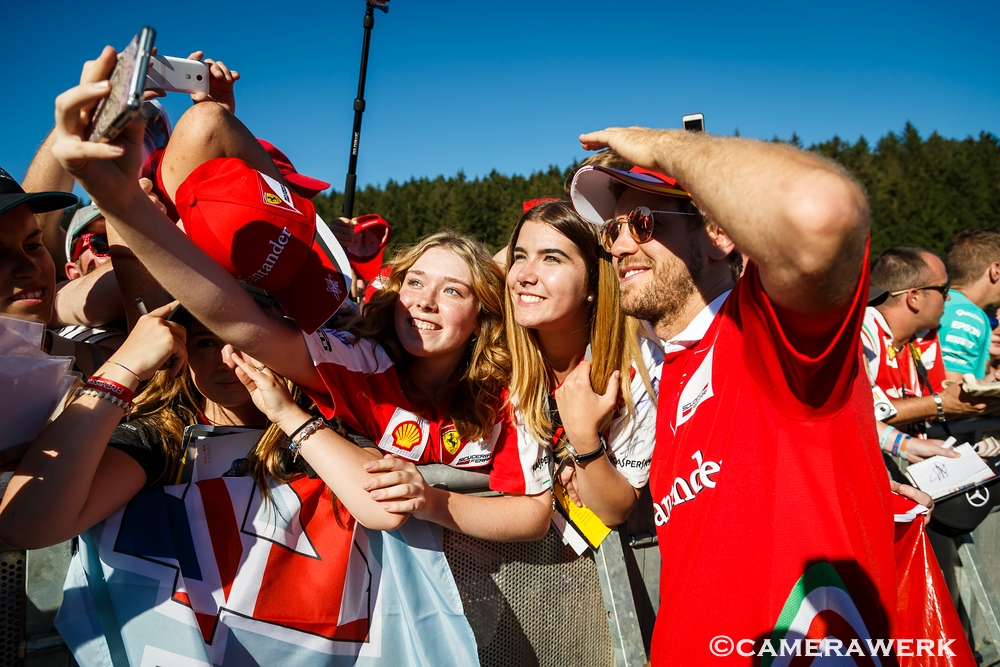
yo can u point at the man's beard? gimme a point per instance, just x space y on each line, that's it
663 298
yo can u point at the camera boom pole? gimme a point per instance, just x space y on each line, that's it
359 109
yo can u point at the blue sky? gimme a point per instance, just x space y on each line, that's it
478 86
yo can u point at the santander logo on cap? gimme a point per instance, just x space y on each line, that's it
263 234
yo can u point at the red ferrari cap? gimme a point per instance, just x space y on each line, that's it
371 236
311 186
263 234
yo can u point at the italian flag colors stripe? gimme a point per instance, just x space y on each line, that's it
818 607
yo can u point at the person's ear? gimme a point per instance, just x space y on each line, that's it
72 271
994 272
720 245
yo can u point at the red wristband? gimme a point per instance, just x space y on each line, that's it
111 387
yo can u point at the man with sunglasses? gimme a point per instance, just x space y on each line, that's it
900 339
765 483
86 242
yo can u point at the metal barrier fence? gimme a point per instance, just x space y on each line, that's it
531 604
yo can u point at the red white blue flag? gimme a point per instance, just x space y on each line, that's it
209 574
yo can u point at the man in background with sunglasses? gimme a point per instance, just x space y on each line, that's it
901 343
765 479
86 242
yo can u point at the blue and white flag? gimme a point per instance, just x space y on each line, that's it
207 573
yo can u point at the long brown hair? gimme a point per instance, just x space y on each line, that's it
483 371
613 335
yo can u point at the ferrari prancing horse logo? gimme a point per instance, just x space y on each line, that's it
452 441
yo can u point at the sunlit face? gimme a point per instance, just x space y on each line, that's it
88 261
660 276
932 301
437 309
213 379
548 280
27 273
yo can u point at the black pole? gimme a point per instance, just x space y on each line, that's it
359 109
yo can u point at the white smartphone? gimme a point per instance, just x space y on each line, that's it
695 122
177 75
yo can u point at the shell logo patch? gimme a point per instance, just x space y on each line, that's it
406 435
451 441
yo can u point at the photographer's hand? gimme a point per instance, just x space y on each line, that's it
107 171
221 82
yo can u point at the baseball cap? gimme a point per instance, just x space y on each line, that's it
877 295
264 235
593 200
12 194
83 217
311 185
371 236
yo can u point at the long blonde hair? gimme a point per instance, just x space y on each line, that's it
476 399
613 335
167 405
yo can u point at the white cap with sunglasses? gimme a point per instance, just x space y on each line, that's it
594 200
83 217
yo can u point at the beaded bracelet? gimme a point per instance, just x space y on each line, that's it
302 433
127 407
103 384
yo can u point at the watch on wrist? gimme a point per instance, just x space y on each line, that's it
583 458
940 407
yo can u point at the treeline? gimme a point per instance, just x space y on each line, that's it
921 191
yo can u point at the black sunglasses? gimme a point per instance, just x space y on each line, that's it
943 289
640 223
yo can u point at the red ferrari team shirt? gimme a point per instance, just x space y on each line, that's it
772 506
364 391
895 373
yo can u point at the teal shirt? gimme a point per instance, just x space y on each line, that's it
964 335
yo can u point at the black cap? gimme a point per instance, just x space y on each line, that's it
877 295
12 194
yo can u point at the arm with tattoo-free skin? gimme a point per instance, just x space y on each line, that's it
801 219
400 488
110 172
69 479
45 174
597 482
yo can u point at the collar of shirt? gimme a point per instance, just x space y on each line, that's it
696 329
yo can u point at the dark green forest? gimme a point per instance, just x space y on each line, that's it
922 191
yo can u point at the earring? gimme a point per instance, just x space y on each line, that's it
590 297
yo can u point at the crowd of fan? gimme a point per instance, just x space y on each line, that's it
539 366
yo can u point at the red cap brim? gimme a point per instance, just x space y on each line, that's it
316 293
